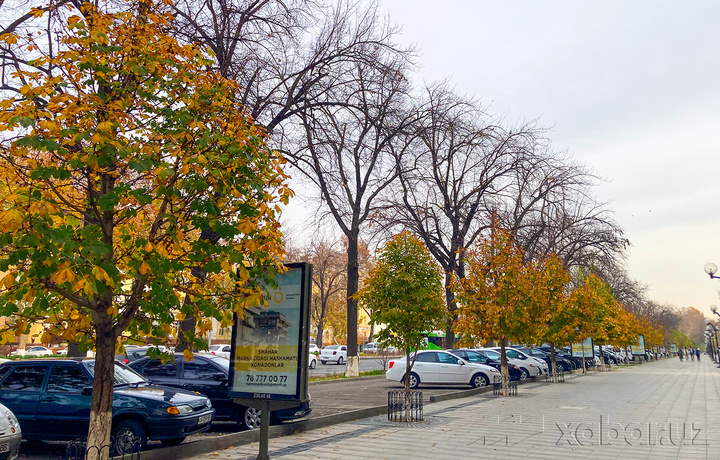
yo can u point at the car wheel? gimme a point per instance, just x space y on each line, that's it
414 380
572 366
524 373
324 362
560 367
313 364
612 362
479 381
129 437
340 360
251 418
172 442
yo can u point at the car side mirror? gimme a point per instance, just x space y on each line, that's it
86 391
222 378
462 363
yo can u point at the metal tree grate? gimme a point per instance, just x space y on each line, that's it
78 450
397 404
559 378
498 389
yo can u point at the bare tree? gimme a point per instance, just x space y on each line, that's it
329 272
461 158
346 154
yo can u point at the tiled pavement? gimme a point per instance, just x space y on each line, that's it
659 410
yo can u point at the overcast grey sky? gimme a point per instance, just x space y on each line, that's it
630 88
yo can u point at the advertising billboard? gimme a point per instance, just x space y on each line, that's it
270 343
639 349
584 349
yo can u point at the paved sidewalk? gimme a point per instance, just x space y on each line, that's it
660 410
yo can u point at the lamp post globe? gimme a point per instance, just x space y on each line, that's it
710 268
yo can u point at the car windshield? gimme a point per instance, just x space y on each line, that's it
123 375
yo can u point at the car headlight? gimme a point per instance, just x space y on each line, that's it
179 410
208 404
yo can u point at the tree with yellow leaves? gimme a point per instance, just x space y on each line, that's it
119 150
497 295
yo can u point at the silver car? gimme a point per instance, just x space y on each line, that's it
10 434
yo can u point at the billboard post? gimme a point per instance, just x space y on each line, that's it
270 349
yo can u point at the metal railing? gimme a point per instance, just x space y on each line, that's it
78 450
397 404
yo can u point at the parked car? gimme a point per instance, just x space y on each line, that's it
10 434
51 399
312 361
527 368
334 353
220 350
34 350
134 353
314 349
371 348
475 357
208 374
441 367
561 363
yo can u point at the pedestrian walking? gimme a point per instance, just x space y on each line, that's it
697 353
692 354
680 354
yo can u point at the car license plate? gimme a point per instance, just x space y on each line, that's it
5 447
204 419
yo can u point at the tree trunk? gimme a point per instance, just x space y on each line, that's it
451 308
504 368
98 443
408 398
602 357
353 280
552 360
319 338
73 351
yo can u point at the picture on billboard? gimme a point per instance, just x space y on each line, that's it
639 349
269 352
582 349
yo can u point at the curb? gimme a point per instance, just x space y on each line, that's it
351 379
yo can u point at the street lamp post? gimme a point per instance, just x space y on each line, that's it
710 268
713 330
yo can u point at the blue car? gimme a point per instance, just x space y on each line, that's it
208 374
51 400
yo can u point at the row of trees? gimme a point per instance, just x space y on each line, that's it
501 298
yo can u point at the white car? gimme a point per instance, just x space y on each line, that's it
312 361
34 350
529 367
334 353
314 349
441 367
10 434
220 350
